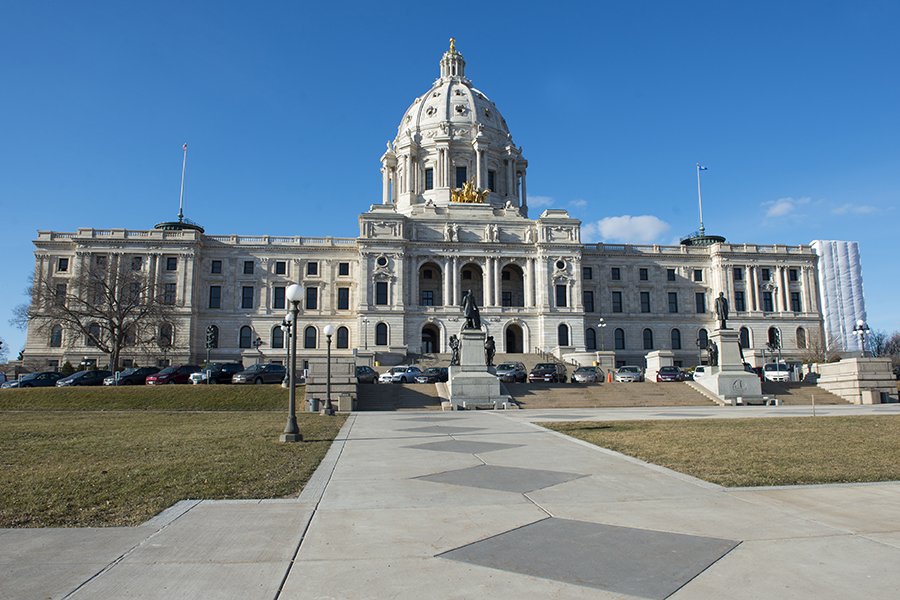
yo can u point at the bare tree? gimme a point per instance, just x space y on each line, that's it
892 345
3 351
818 350
876 340
111 305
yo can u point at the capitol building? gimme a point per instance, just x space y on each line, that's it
453 217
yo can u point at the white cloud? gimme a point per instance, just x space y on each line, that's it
854 209
578 203
783 206
642 229
538 201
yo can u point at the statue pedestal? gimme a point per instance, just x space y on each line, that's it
471 385
729 381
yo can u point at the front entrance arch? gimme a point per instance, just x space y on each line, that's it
514 339
430 339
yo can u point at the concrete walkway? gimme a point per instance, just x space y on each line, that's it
485 505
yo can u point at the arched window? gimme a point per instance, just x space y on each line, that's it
309 337
381 334
648 339
774 338
246 337
745 337
801 338
166 335
676 339
562 334
277 337
343 337
56 337
702 338
590 339
620 339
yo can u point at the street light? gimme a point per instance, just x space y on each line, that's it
294 294
286 330
861 330
600 326
329 409
256 344
365 323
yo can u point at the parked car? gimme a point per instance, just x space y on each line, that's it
2 377
406 376
777 372
40 379
629 374
132 376
669 374
549 372
433 375
587 375
216 372
174 374
366 374
700 371
388 376
268 373
511 372
83 378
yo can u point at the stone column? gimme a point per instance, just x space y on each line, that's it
753 288
479 157
454 299
385 185
498 283
528 282
414 283
487 281
447 274
524 203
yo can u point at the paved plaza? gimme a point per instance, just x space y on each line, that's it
486 505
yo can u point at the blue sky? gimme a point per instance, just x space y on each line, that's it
286 108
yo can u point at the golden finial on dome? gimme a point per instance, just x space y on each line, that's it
452 45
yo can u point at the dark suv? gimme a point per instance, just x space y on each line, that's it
169 375
549 372
366 374
268 373
83 378
218 372
131 376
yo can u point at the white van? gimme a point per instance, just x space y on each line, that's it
777 372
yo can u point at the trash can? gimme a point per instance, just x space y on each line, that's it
313 405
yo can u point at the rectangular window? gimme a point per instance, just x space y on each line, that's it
100 261
617 302
645 302
644 274
670 274
427 298
587 273
312 298
215 296
169 294
248 267
343 298
738 273
429 179
280 267
312 268
492 180
673 302
587 298
381 293
506 298
561 295
171 263
768 305
278 298
137 263
615 274
247 296
739 303
795 302
216 267
60 294
766 275
461 176
698 274
793 275
700 302
344 269
62 265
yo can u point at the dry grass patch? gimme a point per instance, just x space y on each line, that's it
66 469
757 452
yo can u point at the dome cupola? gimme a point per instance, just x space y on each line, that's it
450 136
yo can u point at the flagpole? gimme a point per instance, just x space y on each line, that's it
181 199
700 199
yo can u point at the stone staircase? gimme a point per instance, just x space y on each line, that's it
799 394
591 395
396 396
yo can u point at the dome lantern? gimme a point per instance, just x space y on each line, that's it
452 63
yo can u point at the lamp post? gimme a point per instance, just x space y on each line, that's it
861 330
600 327
286 330
365 323
256 344
329 331
294 294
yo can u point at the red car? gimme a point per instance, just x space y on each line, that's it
179 374
669 374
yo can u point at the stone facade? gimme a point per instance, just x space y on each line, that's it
396 288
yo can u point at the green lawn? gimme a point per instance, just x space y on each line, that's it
70 464
758 452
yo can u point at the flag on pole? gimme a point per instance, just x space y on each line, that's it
699 166
185 149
